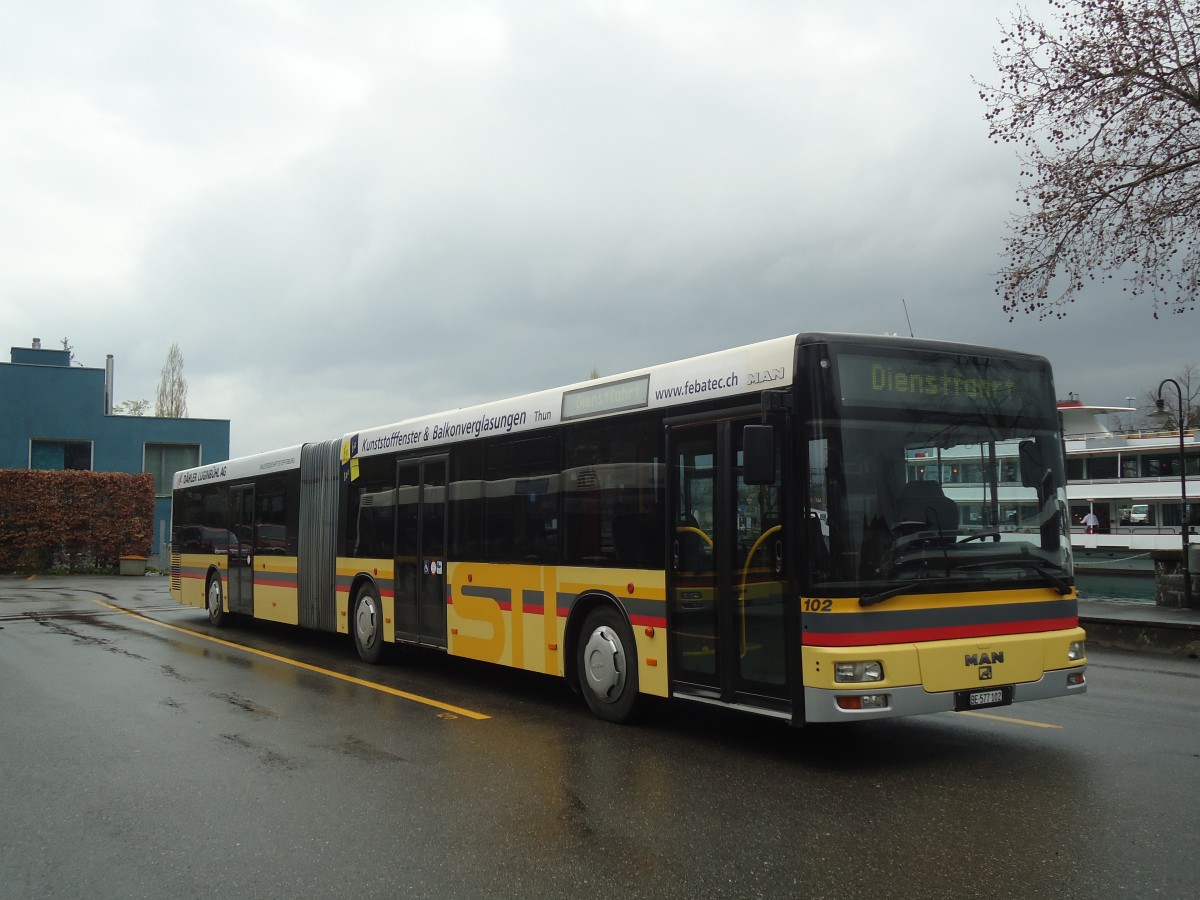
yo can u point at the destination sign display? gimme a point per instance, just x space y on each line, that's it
632 393
943 382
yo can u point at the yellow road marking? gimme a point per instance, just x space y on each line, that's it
382 688
1009 719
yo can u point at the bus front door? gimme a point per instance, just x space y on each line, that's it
726 572
420 578
241 549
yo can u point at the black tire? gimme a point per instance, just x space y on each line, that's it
214 602
607 665
366 623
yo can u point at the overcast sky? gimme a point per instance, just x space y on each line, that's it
346 214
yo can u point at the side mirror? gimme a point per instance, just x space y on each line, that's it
1033 469
758 454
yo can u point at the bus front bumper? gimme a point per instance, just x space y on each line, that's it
837 705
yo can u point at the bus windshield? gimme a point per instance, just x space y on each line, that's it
913 497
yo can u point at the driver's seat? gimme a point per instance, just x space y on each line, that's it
922 503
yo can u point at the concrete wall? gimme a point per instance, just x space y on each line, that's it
1169 586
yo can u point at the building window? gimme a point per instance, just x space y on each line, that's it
59 455
1101 467
1129 466
164 460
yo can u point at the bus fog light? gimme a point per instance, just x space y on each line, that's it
1076 651
1074 679
857 672
864 701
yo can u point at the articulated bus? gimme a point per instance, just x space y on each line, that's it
766 529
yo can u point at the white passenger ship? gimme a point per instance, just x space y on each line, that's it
1130 480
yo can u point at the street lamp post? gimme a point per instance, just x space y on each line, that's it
1161 410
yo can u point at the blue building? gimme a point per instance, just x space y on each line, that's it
54 415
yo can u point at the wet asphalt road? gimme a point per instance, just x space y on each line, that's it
142 761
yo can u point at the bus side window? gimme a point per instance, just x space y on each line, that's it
373 509
465 496
521 499
613 494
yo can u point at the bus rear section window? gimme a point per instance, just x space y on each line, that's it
199 520
277 514
372 513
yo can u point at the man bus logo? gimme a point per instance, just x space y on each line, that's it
983 659
766 375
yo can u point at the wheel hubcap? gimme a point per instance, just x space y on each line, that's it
604 663
365 621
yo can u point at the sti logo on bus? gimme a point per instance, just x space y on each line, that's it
766 375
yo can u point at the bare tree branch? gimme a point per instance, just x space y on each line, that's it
1105 108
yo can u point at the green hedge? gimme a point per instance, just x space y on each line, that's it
73 520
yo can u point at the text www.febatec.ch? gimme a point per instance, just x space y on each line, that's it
696 386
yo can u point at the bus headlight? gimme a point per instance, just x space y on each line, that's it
1076 651
857 672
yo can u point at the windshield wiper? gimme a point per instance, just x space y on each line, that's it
1059 584
980 535
895 590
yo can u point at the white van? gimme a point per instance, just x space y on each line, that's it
1139 514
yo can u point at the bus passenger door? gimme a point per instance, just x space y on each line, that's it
241 549
726 588
420 573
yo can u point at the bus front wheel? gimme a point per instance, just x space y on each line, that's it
215 603
368 625
607 665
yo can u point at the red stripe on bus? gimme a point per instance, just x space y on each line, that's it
656 621
267 582
916 635
345 589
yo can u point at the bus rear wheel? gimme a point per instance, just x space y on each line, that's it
367 621
607 665
214 602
